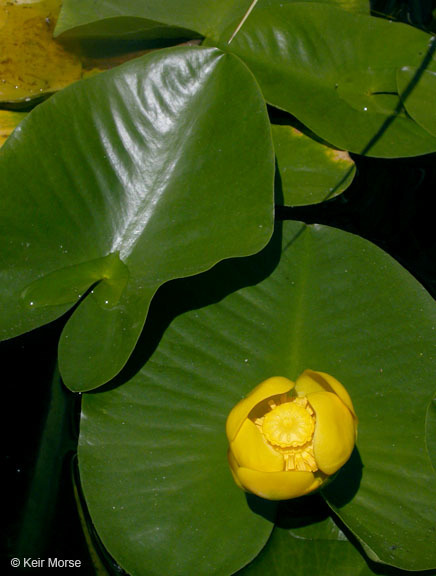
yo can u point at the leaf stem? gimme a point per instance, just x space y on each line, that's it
41 506
242 22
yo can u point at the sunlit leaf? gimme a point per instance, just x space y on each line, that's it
420 102
310 172
32 64
153 450
151 20
359 6
107 192
336 72
165 19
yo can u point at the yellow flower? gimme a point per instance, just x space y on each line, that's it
286 439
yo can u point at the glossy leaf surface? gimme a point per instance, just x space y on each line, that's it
152 20
420 103
109 186
310 172
152 450
160 19
336 72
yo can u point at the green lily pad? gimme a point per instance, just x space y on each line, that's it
307 556
336 72
151 20
152 450
107 192
310 172
359 6
420 103
308 540
160 19
154 472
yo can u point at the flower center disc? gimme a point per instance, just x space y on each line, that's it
288 425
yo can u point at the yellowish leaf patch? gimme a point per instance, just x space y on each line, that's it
9 120
32 63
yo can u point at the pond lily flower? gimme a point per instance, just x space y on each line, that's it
287 439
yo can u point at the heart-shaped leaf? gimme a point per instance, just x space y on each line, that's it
336 72
122 182
152 451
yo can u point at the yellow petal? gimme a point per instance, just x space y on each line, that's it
334 435
270 387
311 381
252 451
306 383
278 485
234 468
